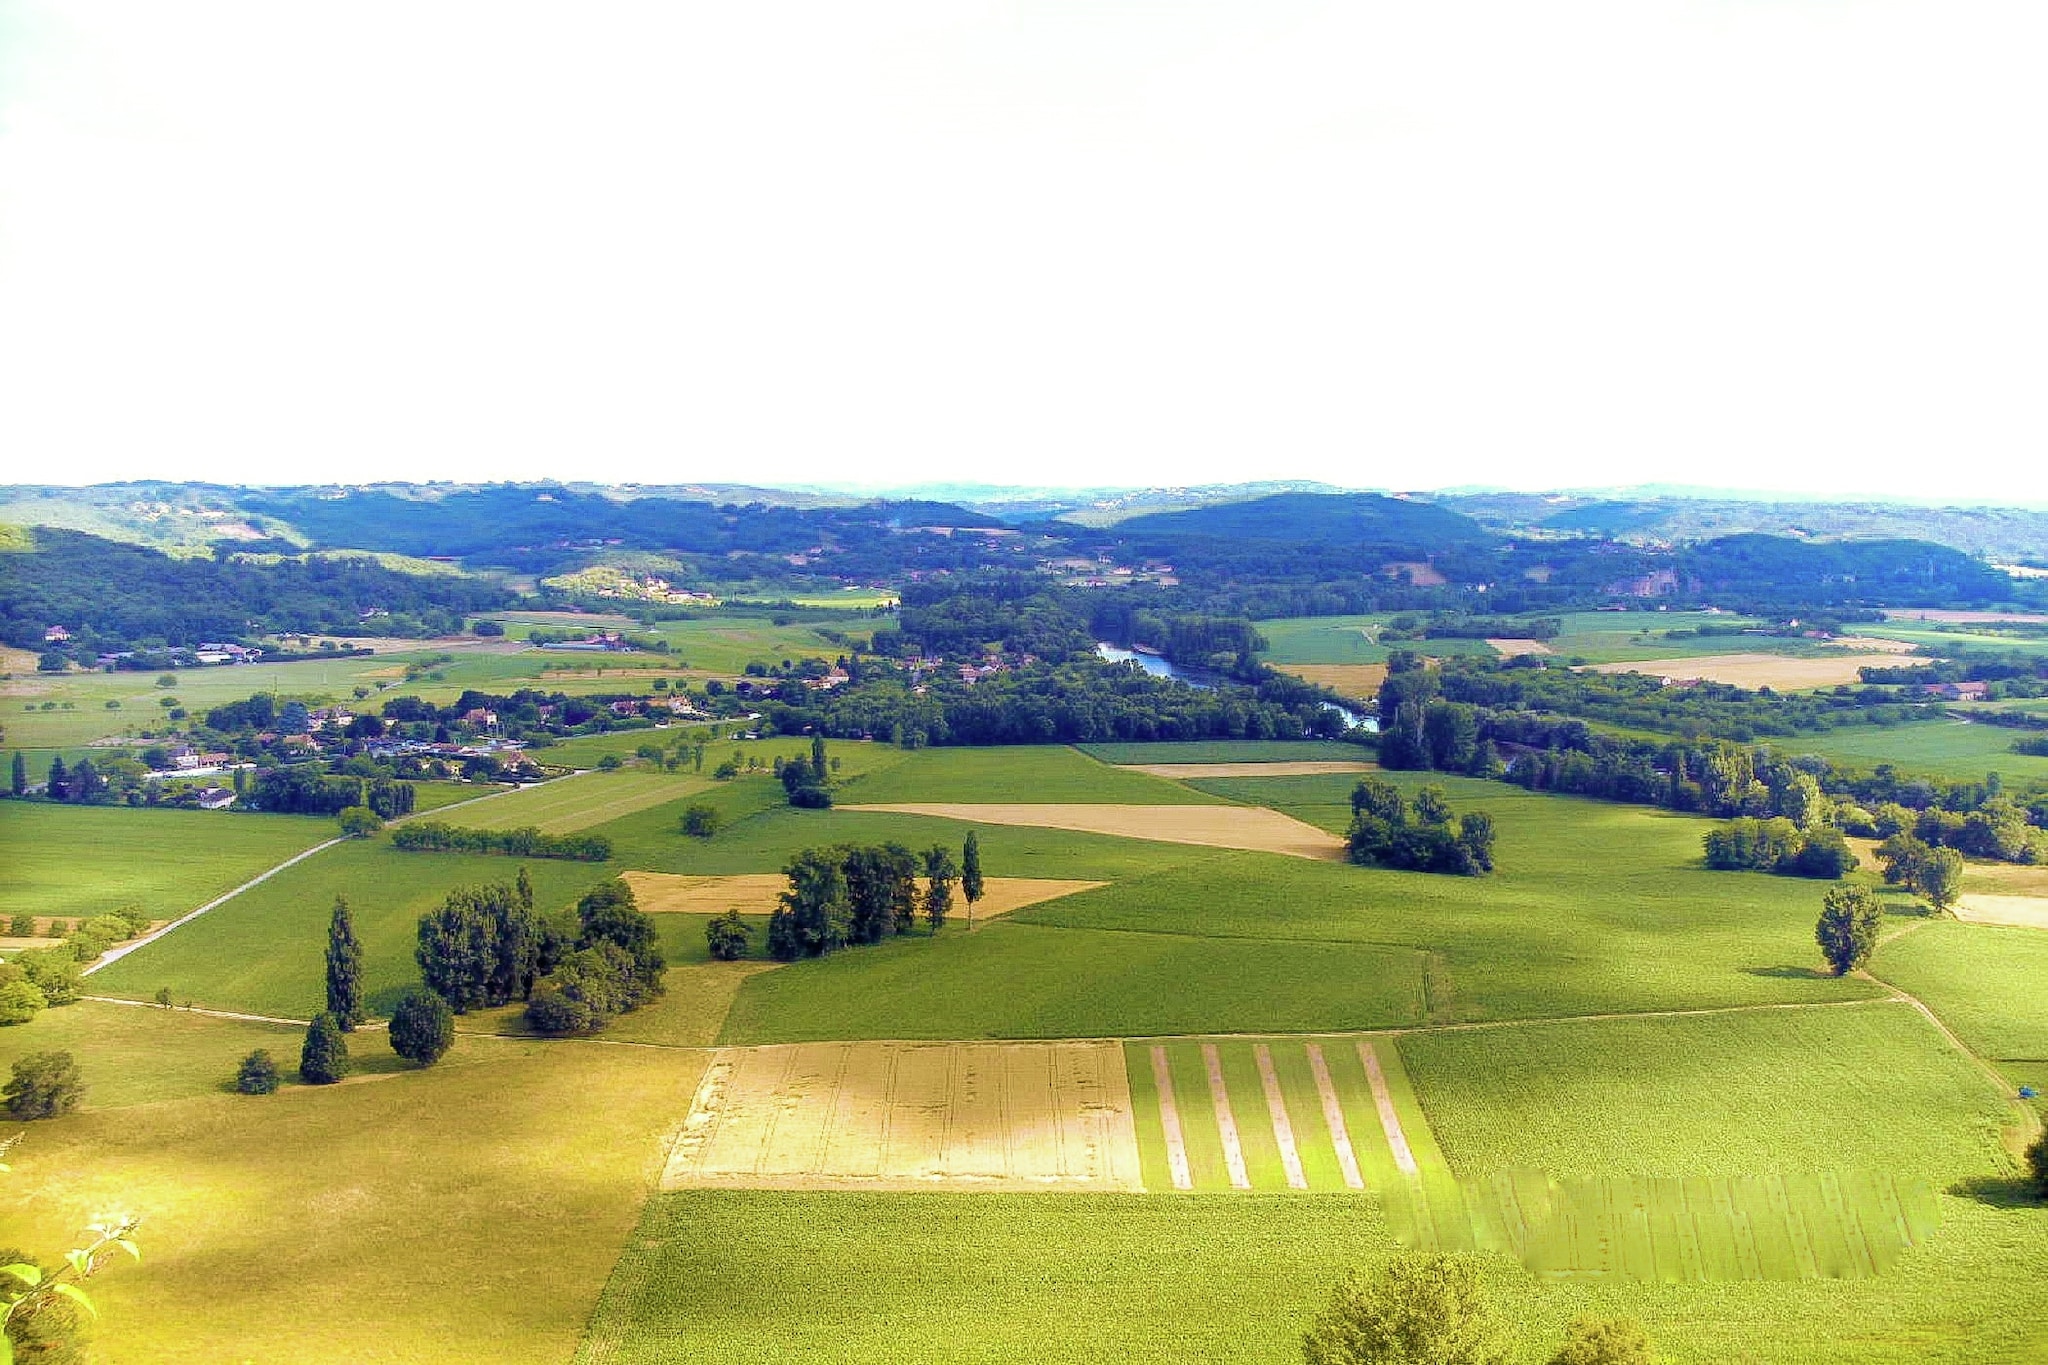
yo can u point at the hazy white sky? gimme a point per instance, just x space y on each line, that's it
1794 244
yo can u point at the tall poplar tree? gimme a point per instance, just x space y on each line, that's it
344 969
970 874
20 775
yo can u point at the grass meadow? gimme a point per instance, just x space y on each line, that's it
1958 750
75 861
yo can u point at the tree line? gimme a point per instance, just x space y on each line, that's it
849 895
527 841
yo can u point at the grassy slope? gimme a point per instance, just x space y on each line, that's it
299 1208
1950 749
1731 1094
1987 982
1229 751
72 860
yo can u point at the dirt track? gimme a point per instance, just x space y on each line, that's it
1195 770
759 893
1246 827
2027 912
991 1116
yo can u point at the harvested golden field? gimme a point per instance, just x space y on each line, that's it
1247 827
1512 647
1779 671
1188 771
1346 680
2007 879
1873 644
911 1116
759 893
2027 912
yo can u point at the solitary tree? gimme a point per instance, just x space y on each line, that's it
2037 1162
939 873
1941 878
43 1085
324 1058
970 875
1847 932
20 775
359 822
700 821
726 936
818 769
1613 1341
258 1075
344 968
422 1026
1418 1309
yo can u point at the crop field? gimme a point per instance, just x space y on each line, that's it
1952 749
1044 774
1187 772
1985 981
575 803
1215 826
1314 1114
1782 672
990 1116
1357 682
167 861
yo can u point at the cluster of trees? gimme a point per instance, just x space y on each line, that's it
852 894
487 946
805 780
527 841
1920 867
1389 831
1778 845
39 978
1426 1307
303 789
613 966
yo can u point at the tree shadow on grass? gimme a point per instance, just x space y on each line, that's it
2000 1191
1791 973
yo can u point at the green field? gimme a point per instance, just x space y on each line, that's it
1987 982
84 860
1595 636
1957 750
1230 751
576 803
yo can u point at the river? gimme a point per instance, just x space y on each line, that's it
1199 677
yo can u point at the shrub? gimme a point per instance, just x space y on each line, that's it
358 822
1616 1341
700 821
324 1058
112 928
610 763
1416 1308
258 1074
20 1001
22 926
727 936
588 990
422 1027
43 1085
811 798
552 1010
136 918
